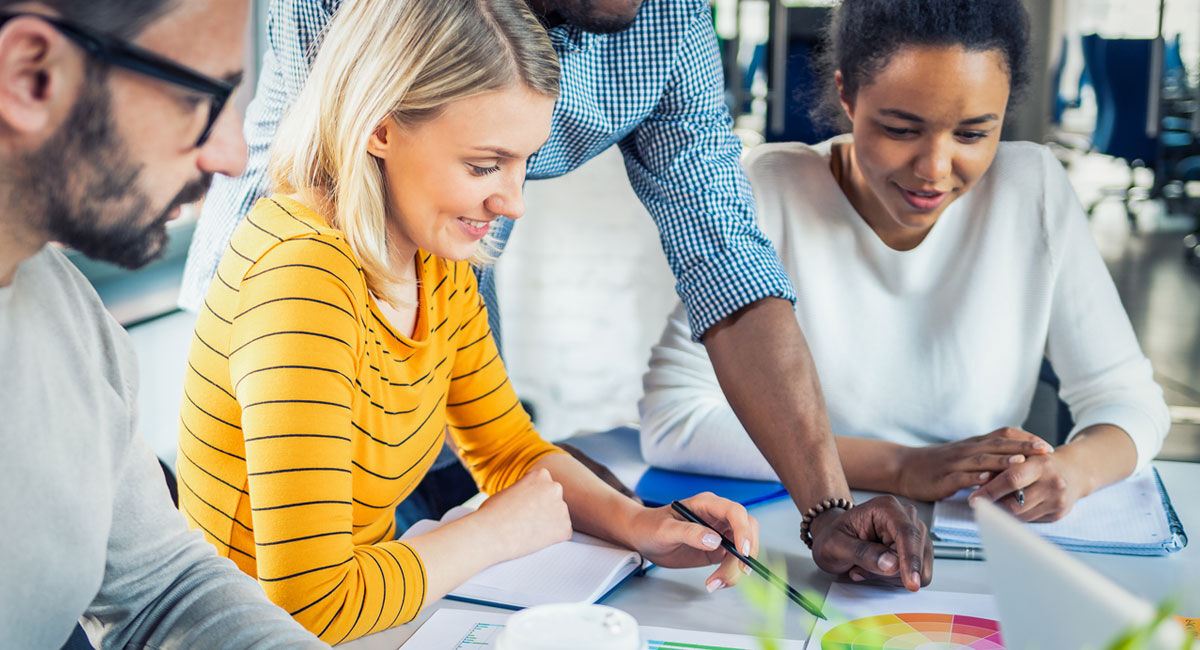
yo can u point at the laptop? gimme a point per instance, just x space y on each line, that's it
1049 600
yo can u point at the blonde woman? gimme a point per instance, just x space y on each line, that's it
345 332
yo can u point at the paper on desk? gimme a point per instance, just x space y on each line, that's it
1122 517
460 629
873 617
581 569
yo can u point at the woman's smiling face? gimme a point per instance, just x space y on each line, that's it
925 130
448 178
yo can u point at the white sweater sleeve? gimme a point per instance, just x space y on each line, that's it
1105 378
687 424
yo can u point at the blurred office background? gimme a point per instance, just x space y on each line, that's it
584 287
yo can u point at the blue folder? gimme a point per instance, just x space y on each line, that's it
658 487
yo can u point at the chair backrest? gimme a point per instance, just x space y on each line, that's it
1120 71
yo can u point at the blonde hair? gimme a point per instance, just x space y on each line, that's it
407 59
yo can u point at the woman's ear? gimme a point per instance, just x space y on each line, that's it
379 145
847 104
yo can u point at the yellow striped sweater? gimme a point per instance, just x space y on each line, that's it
305 418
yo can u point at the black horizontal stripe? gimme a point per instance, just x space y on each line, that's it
284 506
193 403
291 367
435 445
476 426
291 470
298 299
214 476
298 220
305 572
327 594
383 601
300 332
239 253
219 511
503 381
251 222
207 443
357 616
298 435
295 401
230 286
468 374
373 507
385 326
214 313
219 353
319 240
485 335
381 407
301 539
216 538
300 266
215 384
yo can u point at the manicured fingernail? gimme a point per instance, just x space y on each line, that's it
916 578
1041 446
887 562
746 569
983 476
1015 458
857 577
745 547
710 540
715 584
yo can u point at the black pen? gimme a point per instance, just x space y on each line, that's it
754 564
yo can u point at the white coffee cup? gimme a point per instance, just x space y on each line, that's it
573 626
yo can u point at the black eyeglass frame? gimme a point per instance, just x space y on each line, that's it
122 54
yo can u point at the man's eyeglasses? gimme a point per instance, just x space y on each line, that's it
122 54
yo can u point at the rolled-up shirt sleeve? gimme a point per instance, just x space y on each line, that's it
684 163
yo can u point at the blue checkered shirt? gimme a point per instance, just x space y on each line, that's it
655 90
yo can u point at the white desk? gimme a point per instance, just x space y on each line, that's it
677 598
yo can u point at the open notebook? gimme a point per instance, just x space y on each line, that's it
582 569
1132 517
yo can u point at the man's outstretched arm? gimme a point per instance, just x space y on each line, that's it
766 372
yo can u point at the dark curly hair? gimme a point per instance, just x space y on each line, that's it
863 35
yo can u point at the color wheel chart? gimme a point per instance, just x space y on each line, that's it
915 631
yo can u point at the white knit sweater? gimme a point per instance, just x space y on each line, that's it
930 345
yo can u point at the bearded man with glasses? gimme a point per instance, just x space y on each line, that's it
112 116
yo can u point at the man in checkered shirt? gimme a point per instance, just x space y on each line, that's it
646 77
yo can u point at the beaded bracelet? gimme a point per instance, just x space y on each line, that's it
827 504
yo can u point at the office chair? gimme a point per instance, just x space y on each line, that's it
1129 125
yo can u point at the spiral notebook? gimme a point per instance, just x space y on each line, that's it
1132 517
583 569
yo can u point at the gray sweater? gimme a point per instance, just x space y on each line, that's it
88 530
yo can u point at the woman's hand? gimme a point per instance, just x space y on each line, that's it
1051 483
527 516
663 537
1049 488
938 471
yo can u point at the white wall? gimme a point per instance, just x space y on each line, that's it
584 291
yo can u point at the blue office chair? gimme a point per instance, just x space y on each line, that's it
1128 91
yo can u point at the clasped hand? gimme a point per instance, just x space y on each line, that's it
1000 463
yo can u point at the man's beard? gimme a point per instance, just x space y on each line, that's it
583 15
82 187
